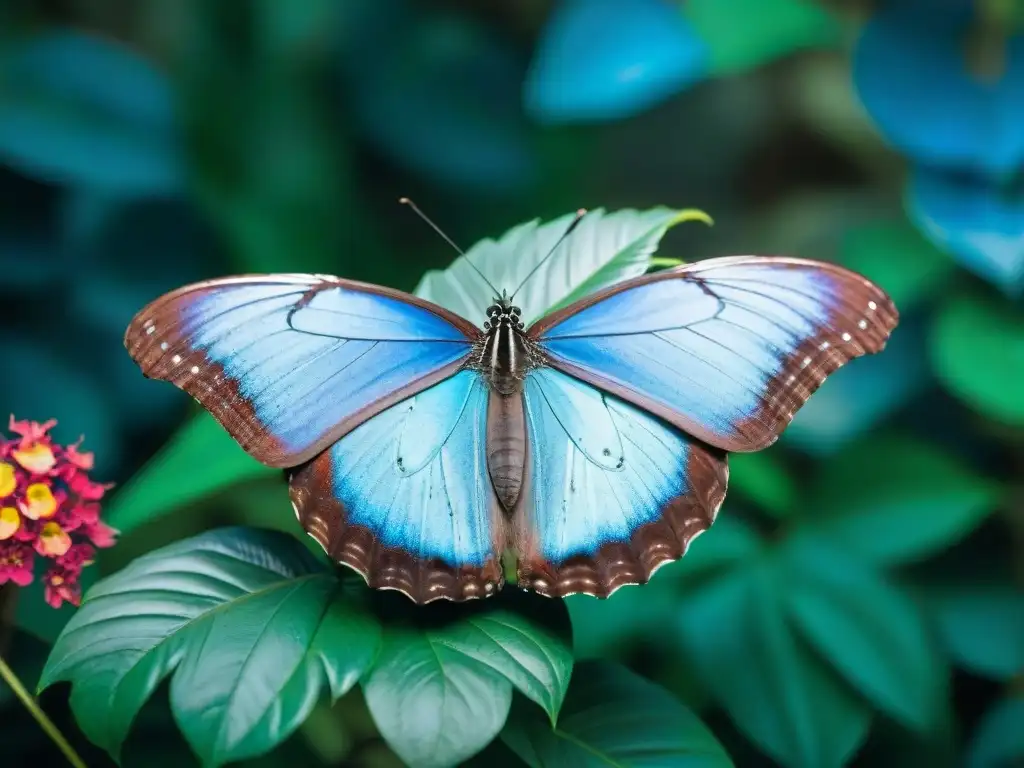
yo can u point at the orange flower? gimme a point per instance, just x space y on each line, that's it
53 541
8 482
10 522
39 502
36 458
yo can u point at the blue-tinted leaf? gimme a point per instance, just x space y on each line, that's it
893 498
865 628
776 691
913 77
999 739
613 717
980 226
79 109
608 59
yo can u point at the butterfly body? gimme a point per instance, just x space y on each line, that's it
591 443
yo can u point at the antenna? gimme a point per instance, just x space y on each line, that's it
575 222
433 226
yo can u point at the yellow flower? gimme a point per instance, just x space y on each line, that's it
10 522
39 502
8 482
37 458
53 541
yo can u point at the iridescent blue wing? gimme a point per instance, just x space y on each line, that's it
290 363
725 349
611 492
405 498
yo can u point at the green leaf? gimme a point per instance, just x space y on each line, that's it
999 739
440 692
769 29
981 625
249 624
762 478
612 717
604 627
200 459
892 498
898 257
977 350
605 248
79 109
776 691
869 631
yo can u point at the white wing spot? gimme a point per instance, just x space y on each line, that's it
163 346
195 369
807 361
176 359
863 324
872 306
847 337
151 330
824 345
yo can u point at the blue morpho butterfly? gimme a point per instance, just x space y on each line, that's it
592 444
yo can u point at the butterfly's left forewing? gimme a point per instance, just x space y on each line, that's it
405 498
725 349
290 363
611 492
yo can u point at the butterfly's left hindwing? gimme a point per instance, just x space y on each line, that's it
405 498
611 492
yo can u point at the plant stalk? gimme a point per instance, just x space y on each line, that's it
45 723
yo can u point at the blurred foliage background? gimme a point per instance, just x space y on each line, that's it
859 601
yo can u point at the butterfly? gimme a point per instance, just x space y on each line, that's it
421 449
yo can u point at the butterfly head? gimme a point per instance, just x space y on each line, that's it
503 312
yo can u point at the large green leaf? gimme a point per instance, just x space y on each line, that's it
440 692
200 459
868 630
612 717
981 624
977 349
605 248
80 109
999 740
776 691
249 624
892 498
769 29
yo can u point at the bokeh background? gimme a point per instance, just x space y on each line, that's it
145 144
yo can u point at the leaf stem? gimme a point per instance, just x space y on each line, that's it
40 717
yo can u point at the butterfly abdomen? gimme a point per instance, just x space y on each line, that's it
506 446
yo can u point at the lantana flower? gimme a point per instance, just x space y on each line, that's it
49 511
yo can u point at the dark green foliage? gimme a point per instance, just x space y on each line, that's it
859 599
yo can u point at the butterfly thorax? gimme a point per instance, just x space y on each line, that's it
505 354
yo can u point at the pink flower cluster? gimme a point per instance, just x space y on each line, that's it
48 507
